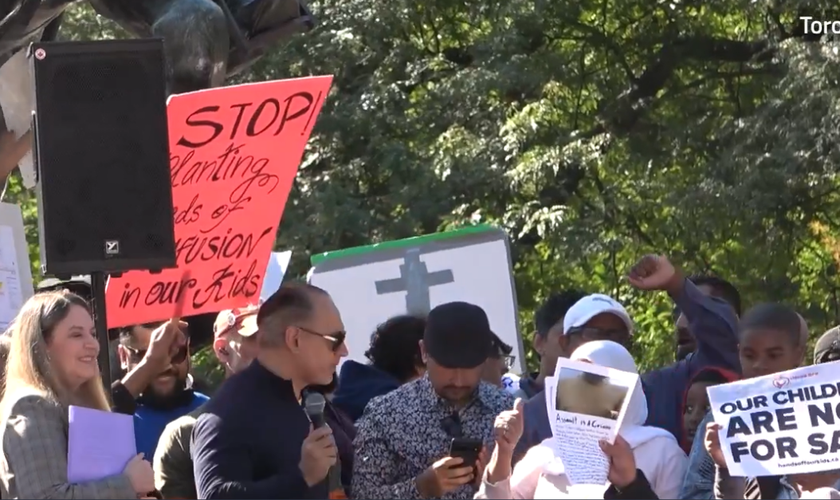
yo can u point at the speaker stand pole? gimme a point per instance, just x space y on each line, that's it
97 284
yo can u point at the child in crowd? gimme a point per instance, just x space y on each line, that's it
772 339
770 320
696 402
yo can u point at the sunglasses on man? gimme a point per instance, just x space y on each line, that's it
335 339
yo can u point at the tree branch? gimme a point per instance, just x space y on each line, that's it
622 115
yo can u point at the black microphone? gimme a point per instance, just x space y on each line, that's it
314 404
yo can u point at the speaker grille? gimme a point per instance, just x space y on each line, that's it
103 156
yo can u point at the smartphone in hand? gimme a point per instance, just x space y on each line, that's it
467 449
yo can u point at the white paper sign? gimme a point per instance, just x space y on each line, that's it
371 284
278 262
16 100
781 424
15 275
588 406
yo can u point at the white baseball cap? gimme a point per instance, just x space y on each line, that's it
591 306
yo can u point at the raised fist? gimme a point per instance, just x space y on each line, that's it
654 272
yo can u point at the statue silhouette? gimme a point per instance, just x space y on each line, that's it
205 42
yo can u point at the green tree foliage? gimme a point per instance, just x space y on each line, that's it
593 131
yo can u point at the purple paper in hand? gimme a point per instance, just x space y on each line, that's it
100 444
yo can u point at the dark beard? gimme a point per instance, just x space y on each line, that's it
180 396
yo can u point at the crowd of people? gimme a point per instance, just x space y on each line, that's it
284 424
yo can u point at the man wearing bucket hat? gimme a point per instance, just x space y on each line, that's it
235 346
595 317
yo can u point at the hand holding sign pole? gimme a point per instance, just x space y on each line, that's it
234 153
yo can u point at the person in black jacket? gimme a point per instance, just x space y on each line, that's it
255 439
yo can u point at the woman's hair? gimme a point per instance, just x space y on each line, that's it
5 345
395 346
28 365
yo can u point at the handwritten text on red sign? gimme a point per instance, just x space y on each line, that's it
234 153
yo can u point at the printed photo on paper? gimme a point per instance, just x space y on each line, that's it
588 406
589 394
781 424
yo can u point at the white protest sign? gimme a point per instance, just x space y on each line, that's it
782 424
17 103
589 405
15 274
373 283
278 262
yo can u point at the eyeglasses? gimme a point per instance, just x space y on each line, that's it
590 334
507 360
336 339
137 355
451 425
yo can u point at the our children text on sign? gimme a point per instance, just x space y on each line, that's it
780 424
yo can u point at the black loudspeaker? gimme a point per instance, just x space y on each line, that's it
102 156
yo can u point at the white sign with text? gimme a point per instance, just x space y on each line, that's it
588 406
781 424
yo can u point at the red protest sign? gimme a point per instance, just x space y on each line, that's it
234 153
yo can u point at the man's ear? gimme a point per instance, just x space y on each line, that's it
423 354
292 337
563 342
539 344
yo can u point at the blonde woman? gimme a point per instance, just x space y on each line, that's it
53 364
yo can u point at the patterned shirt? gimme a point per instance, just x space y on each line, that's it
401 434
